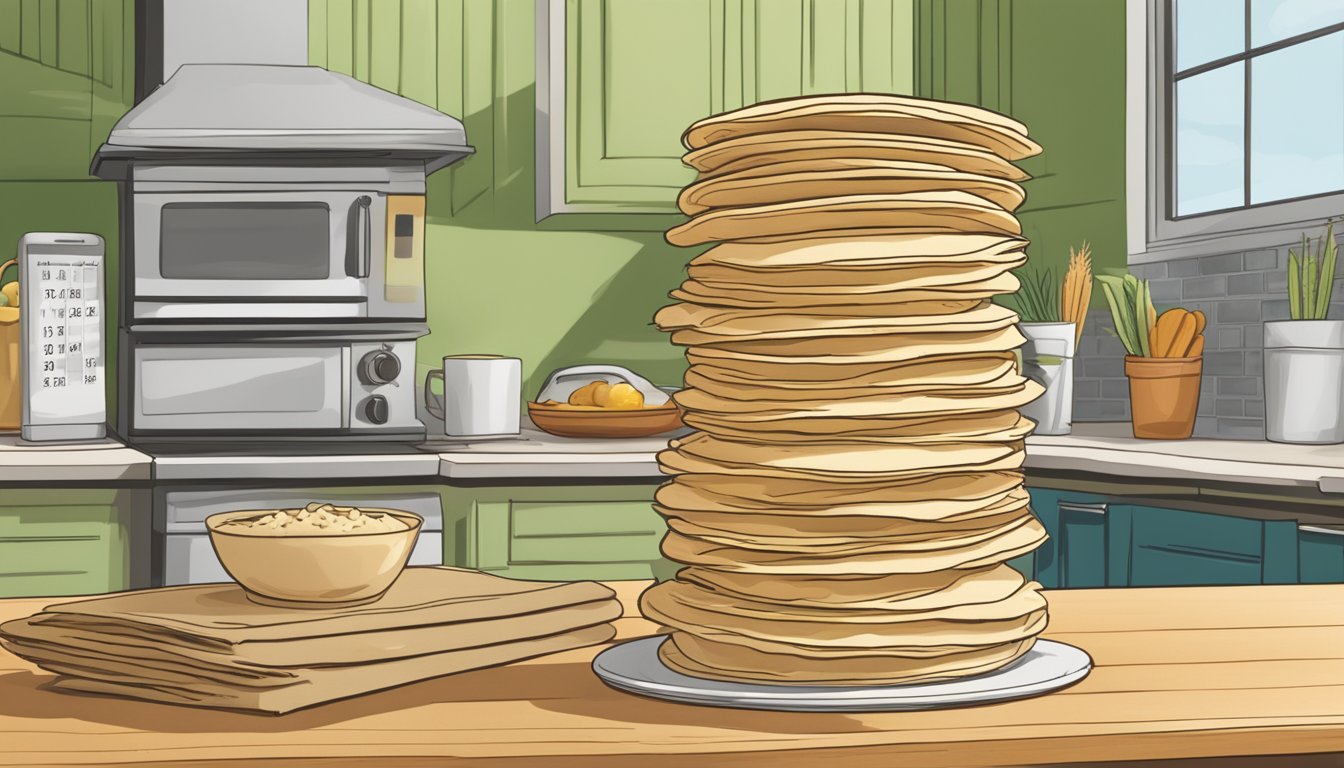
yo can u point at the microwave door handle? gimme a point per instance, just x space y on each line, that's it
360 233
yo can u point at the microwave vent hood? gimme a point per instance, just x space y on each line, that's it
224 111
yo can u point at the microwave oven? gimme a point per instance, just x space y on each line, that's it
227 243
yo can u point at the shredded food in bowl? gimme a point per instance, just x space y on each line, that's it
315 518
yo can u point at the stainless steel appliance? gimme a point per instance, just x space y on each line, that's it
188 557
273 240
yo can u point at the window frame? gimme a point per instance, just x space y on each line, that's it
1163 236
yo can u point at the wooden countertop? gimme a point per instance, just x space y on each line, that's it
1181 673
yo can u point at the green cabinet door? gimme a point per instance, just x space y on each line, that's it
638 72
1075 553
1320 555
1152 546
556 532
71 542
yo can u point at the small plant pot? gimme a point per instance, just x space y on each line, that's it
1163 395
1047 359
1304 381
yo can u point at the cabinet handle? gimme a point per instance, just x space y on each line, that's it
1094 508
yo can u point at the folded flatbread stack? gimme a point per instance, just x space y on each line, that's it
209 646
847 508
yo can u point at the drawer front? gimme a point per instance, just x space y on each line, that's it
1169 547
582 532
1064 560
66 542
1320 555
55 565
1082 544
556 532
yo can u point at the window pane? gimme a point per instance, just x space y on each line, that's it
1276 19
1297 120
1208 30
1210 141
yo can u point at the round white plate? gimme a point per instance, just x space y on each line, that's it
635 667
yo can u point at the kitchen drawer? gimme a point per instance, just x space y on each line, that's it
68 542
556 532
1082 529
1150 546
1320 554
1076 547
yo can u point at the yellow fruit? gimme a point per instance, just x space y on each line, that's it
584 395
11 292
601 391
625 397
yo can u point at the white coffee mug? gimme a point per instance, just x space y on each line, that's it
481 395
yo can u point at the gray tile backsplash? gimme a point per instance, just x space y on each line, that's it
1237 292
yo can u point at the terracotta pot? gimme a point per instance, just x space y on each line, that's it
1163 395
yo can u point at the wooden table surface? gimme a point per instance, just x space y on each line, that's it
1180 673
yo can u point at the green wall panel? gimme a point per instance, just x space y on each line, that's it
1059 67
583 288
66 76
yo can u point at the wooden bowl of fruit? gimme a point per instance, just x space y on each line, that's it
602 401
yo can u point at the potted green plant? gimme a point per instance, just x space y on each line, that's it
1165 360
1304 356
1052 316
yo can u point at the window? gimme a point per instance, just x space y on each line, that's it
1245 119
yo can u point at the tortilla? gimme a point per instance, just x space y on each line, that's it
813 179
755 150
922 498
849 280
744 296
913 212
701 612
843 459
964 369
885 250
1020 540
884 348
869 113
962 400
969 430
972 372
683 652
922 591
880 535
838 621
969 495
787 525
755 322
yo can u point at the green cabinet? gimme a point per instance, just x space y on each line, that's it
1150 546
1098 541
72 542
623 78
1320 555
555 532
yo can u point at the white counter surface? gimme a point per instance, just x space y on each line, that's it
1094 449
104 460
1110 449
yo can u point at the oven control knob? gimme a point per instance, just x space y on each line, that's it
375 410
380 367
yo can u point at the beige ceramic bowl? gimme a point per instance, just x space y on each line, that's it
317 570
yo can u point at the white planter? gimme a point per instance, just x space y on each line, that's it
1047 358
1304 381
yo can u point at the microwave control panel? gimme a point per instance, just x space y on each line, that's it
382 386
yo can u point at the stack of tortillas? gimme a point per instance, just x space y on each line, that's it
848 506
